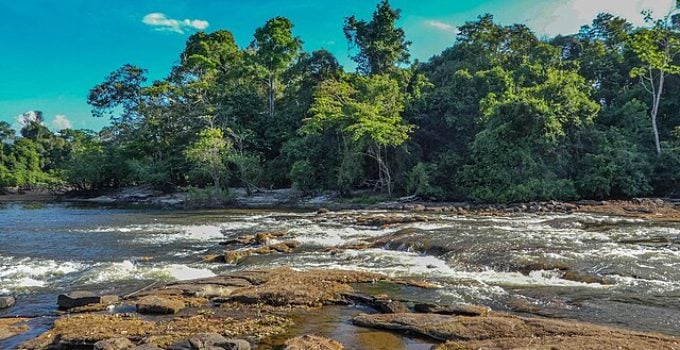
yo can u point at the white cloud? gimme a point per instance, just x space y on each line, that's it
27 117
439 25
568 15
161 22
61 122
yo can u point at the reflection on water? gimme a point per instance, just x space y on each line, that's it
509 263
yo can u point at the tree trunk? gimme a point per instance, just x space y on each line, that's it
655 110
271 96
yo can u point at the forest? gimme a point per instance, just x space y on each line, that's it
502 115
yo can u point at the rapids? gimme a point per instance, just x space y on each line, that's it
607 270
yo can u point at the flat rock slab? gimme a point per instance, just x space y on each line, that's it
312 342
456 309
501 331
159 306
6 302
83 298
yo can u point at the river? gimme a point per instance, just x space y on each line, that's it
624 272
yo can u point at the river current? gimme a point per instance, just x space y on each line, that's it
608 270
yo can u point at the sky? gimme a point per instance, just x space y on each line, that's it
53 52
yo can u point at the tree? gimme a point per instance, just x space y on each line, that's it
366 110
275 49
658 49
209 153
120 97
381 44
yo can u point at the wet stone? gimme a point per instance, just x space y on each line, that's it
83 298
6 302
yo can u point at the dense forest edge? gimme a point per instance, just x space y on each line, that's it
501 116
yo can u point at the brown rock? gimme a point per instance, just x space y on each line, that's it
312 342
500 331
10 327
114 344
159 306
457 309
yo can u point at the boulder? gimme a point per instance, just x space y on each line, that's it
83 298
391 306
7 301
312 342
114 344
457 309
159 306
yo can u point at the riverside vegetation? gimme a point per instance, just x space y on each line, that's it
500 116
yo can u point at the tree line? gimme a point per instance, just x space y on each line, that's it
500 116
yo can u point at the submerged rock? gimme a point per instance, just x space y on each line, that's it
159 306
83 298
6 302
312 342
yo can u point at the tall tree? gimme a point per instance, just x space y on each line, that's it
120 97
368 111
658 48
275 50
381 44
209 153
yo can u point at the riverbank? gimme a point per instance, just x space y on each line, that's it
145 196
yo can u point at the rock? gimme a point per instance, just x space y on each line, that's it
6 302
285 287
210 341
82 298
159 306
114 344
457 309
146 347
236 344
312 342
391 307
501 331
579 277
213 258
10 327
81 331
323 211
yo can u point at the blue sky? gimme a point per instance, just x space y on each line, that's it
53 52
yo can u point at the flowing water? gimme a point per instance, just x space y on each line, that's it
513 263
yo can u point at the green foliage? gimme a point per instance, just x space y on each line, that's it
381 44
302 174
209 154
420 180
500 116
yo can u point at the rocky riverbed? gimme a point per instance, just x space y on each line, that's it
436 278
261 308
